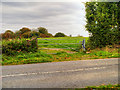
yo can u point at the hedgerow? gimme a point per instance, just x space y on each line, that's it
12 47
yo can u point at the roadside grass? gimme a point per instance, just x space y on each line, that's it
104 87
101 87
42 56
26 58
56 55
106 52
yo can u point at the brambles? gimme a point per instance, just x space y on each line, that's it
19 45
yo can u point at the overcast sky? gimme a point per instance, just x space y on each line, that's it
66 17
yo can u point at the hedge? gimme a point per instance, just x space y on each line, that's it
14 46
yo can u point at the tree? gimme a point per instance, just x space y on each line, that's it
49 35
26 35
17 34
8 34
9 31
59 34
34 33
43 30
24 30
101 23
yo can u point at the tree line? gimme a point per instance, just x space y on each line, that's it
103 23
40 32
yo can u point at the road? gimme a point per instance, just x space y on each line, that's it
67 74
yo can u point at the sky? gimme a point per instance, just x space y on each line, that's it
65 17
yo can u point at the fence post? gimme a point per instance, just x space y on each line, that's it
83 44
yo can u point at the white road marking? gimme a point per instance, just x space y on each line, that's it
25 74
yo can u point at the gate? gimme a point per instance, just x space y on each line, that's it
51 42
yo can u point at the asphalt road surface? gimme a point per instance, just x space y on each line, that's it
68 74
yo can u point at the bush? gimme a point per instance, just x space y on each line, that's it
59 34
42 30
15 46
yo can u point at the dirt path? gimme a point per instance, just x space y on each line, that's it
59 49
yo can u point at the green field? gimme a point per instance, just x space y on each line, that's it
61 42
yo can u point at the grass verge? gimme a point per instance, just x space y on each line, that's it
101 87
104 87
42 56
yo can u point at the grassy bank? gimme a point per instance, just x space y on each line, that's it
58 55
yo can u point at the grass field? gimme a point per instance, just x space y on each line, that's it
60 42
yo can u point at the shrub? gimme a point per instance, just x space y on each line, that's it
15 46
42 30
59 34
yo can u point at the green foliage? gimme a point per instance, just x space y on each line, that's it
59 34
110 86
102 23
34 33
25 51
43 30
101 53
17 34
59 55
15 46
26 35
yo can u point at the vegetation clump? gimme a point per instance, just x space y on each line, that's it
12 47
103 23
59 34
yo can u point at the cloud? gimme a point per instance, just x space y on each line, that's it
46 0
67 17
